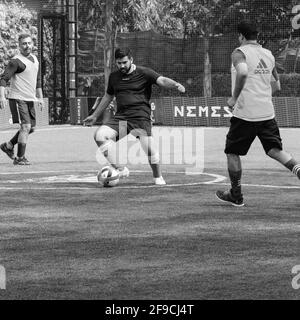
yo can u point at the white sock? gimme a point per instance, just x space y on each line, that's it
109 150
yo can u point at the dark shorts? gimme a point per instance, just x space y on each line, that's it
242 133
136 127
22 111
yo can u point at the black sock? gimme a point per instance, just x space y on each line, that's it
293 166
21 149
235 178
14 140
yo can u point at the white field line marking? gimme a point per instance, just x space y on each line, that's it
217 181
217 178
88 171
50 128
146 187
262 186
80 127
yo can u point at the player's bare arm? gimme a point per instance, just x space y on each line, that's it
39 95
3 100
5 77
99 107
39 91
275 84
239 62
170 84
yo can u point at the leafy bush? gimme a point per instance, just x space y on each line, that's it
14 20
221 85
290 85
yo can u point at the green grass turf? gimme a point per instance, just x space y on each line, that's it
78 240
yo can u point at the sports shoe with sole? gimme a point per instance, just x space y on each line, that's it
226 196
9 152
21 162
124 173
159 181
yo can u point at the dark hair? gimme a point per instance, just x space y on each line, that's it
123 52
24 36
248 30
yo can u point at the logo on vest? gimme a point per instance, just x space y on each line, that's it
262 68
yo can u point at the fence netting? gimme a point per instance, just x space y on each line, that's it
191 43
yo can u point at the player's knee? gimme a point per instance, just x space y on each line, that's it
272 153
25 128
231 156
154 158
99 137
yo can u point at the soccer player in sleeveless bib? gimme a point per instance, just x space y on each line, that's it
253 112
131 86
25 90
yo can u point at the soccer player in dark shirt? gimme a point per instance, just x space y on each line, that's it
131 86
25 89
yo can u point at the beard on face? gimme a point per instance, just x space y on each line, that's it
26 52
125 70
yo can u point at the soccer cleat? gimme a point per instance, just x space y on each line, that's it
9 152
21 161
159 181
226 196
124 173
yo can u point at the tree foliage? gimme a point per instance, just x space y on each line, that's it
14 19
195 18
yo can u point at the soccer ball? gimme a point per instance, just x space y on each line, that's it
108 176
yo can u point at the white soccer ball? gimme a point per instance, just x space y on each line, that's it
108 176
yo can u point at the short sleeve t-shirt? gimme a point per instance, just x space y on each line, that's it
133 92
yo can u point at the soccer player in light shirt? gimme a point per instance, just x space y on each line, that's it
25 89
253 68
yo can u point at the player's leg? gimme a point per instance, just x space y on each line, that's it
235 174
142 129
269 136
23 113
238 141
105 138
234 195
28 121
147 143
22 143
8 147
286 159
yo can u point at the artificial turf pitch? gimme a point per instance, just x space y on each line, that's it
63 236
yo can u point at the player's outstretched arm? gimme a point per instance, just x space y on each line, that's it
99 107
170 84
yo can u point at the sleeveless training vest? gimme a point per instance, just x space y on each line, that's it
255 101
23 85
